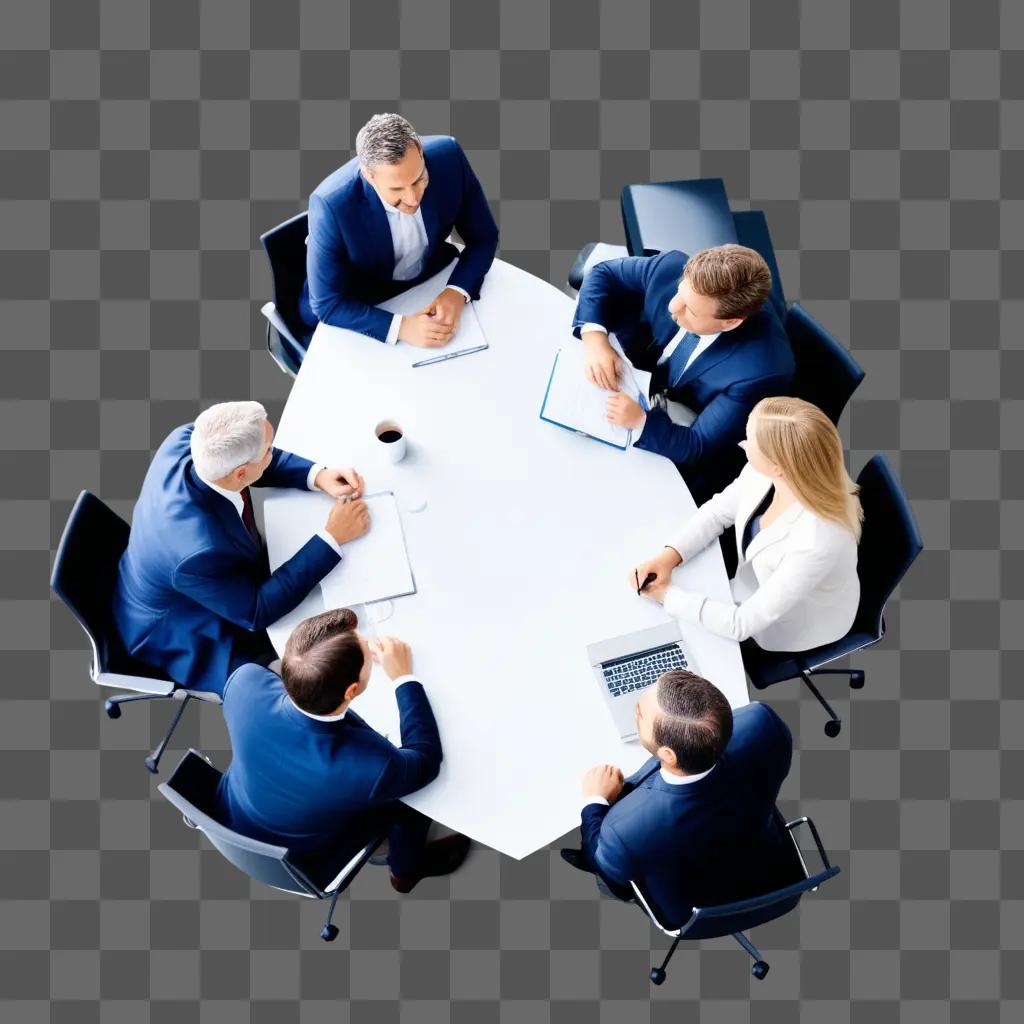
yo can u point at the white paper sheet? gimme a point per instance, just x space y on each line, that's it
468 335
573 402
374 567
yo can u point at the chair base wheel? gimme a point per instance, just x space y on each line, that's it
857 679
329 933
152 765
832 728
112 709
657 975
759 970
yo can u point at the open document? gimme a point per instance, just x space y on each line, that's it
572 402
374 567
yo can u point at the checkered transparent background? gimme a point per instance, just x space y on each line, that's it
143 148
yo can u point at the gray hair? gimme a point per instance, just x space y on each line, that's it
384 140
227 436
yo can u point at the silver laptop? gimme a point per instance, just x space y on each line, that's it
628 664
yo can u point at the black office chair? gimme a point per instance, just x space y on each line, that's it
736 918
826 374
84 575
288 335
579 270
192 789
889 543
689 215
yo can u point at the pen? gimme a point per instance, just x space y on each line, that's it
650 578
636 573
450 355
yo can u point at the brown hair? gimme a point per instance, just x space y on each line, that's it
695 720
736 277
804 443
322 659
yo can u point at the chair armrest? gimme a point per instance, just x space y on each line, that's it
796 823
269 310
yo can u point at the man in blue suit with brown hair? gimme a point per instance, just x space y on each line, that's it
309 774
715 347
195 593
697 825
380 224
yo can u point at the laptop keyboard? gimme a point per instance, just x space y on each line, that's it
624 675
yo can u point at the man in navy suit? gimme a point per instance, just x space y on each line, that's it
376 229
697 825
309 774
714 345
195 592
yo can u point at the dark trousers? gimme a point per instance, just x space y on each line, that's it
407 838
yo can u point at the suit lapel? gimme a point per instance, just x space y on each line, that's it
773 534
225 512
718 350
429 209
377 228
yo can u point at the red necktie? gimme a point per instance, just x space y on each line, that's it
249 518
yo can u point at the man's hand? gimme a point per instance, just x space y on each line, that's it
603 780
661 565
447 308
348 520
340 483
621 410
394 656
603 362
424 331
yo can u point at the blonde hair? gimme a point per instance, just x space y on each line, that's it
804 443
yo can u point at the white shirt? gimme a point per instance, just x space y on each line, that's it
669 777
409 240
235 497
338 718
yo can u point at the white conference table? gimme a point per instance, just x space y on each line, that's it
520 556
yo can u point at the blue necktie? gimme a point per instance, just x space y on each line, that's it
668 374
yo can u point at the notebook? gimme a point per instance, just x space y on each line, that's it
573 403
374 567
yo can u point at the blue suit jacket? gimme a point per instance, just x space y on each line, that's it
630 296
319 788
707 842
192 586
350 258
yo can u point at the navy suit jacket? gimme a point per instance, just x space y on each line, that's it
349 255
707 842
319 788
193 588
630 296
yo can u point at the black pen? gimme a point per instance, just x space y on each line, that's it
636 573
650 578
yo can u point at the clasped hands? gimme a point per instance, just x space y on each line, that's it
434 325
349 518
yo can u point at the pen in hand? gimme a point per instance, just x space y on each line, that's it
636 573
649 578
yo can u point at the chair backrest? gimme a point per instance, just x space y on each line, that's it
285 246
689 215
84 575
826 373
192 789
889 543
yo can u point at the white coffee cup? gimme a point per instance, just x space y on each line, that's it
390 440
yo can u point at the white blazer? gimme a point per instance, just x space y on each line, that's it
795 588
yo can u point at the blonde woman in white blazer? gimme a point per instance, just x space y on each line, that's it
797 519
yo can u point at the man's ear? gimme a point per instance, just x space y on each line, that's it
731 325
667 756
352 691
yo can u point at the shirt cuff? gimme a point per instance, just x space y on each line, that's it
330 542
593 327
404 679
684 604
588 800
311 478
392 336
637 431
461 291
